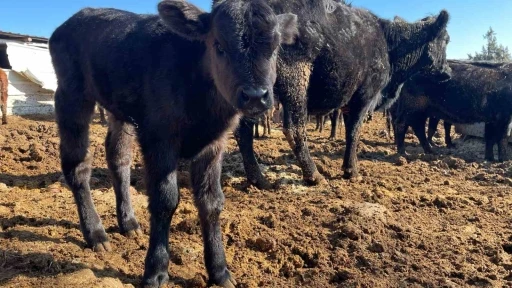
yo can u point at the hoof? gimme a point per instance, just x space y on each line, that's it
227 282
317 179
134 233
98 240
156 281
102 247
489 158
129 227
230 283
262 184
350 173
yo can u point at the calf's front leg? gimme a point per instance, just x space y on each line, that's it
353 122
294 128
205 171
161 161
293 99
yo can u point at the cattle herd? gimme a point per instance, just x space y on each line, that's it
181 80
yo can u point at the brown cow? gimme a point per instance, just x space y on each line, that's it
3 95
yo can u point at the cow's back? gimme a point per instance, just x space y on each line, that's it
475 92
486 89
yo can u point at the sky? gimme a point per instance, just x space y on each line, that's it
470 19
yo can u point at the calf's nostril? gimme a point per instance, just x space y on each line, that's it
265 98
245 97
253 92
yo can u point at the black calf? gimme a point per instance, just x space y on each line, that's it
182 78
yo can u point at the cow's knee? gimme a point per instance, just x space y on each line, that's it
210 206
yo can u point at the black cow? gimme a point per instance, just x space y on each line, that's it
477 92
181 78
345 57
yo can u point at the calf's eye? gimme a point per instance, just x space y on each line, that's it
219 48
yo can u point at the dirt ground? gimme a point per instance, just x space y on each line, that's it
439 220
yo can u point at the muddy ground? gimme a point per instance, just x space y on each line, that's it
421 221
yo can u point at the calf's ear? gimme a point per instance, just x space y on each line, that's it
288 28
441 21
184 19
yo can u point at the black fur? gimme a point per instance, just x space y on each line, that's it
347 58
476 92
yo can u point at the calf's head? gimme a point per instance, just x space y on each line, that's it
434 56
242 39
420 46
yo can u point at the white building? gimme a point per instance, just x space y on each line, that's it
32 81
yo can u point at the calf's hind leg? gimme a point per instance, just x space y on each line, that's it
418 126
432 129
447 136
489 141
118 147
73 117
501 139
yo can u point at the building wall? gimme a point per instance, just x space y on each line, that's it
26 97
477 130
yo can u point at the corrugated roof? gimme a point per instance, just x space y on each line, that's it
10 35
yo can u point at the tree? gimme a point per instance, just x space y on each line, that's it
493 51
